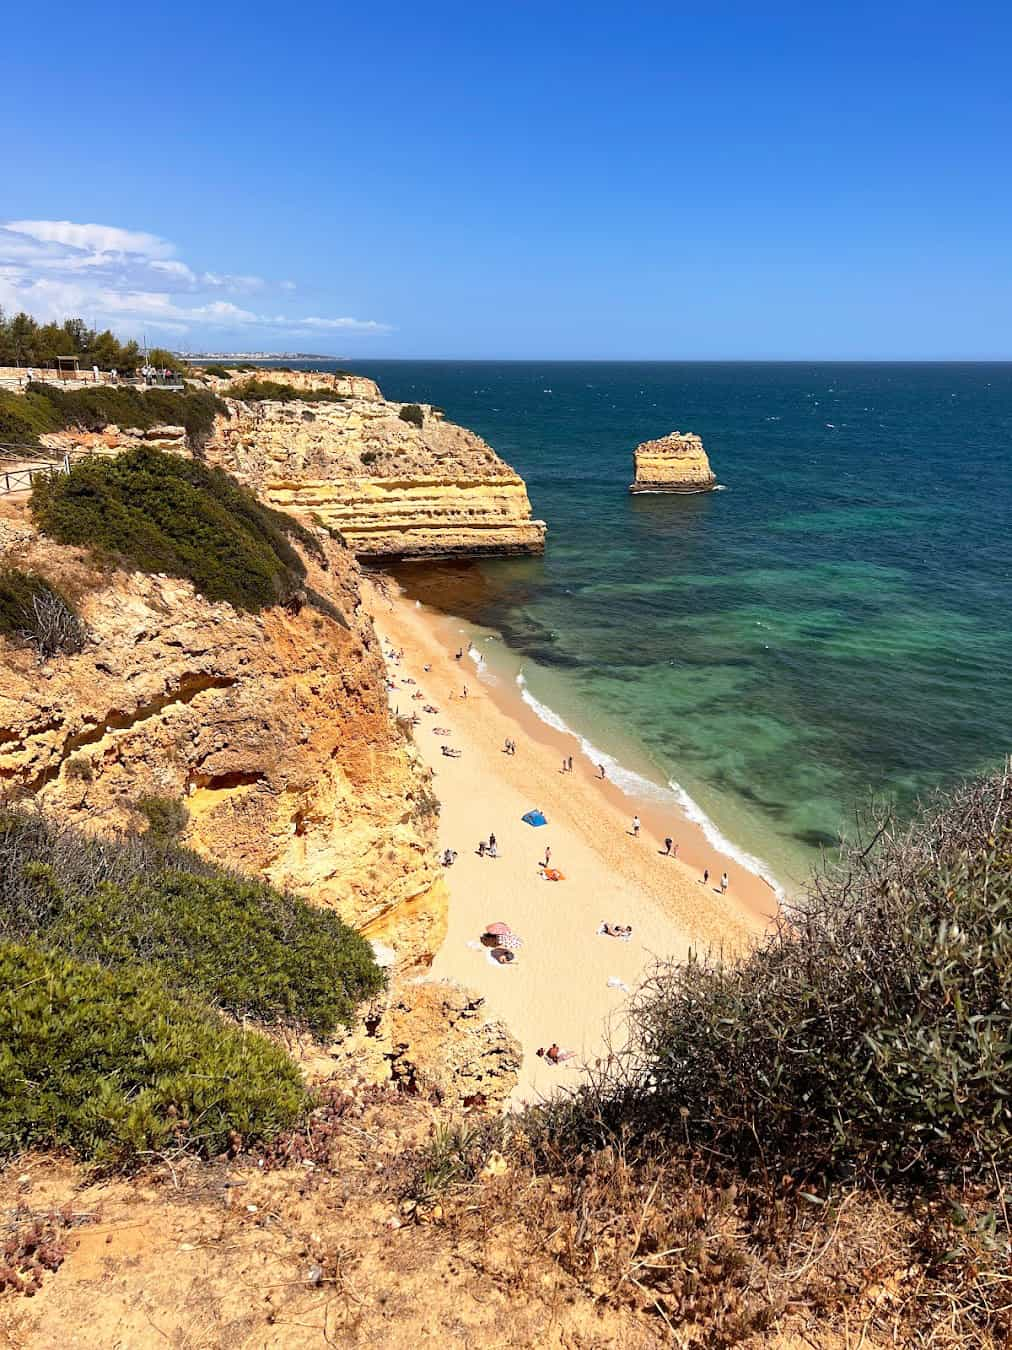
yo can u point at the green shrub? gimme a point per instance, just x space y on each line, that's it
411 412
240 944
111 1065
25 417
872 1033
258 390
34 610
97 406
162 513
166 816
222 372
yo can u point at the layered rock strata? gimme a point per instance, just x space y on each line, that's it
387 486
673 463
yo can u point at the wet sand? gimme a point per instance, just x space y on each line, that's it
558 987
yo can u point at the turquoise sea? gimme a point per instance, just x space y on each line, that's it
836 621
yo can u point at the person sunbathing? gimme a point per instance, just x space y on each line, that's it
502 956
619 930
451 752
556 1056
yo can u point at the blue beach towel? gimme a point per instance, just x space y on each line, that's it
534 818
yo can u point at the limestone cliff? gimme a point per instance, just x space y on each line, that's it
341 382
389 487
275 728
673 463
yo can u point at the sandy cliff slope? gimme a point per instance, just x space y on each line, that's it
273 727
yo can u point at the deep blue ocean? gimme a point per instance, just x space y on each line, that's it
836 622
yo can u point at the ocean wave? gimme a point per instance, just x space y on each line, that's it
636 785
476 657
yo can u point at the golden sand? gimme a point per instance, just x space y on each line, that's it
568 984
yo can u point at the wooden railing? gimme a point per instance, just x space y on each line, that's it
21 478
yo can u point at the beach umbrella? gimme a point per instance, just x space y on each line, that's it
511 942
498 928
535 818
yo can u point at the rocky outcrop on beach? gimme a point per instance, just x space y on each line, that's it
274 729
673 463
391 480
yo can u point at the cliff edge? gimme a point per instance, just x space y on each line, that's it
673 463
392 480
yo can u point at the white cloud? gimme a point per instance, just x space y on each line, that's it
94 238
131 280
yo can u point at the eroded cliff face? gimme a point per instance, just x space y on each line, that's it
274 728
342 382
387 487
673 463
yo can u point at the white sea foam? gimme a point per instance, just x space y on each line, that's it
636 785
476 657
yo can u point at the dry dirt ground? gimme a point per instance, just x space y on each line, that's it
255 1254
315 1244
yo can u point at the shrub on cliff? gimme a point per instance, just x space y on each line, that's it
33 609
411 412
240 944
222 372
870 1035
110 1064
262 391
96 407
162 513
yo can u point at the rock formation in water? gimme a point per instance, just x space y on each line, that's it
673 463
391 480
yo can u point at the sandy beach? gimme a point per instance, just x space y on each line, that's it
568 984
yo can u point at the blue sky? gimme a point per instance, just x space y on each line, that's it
715 180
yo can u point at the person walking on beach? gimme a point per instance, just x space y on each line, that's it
548 856
460 653
636 827
667 845
600 771
491 843
570 763
723 883
706 875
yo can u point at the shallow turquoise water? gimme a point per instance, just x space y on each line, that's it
838 620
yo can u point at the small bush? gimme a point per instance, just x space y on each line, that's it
167 818
34 610
871 1034
412 413
111 1065
258 391
161 513
242 945
222 372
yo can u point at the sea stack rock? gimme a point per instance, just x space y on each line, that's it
674 463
